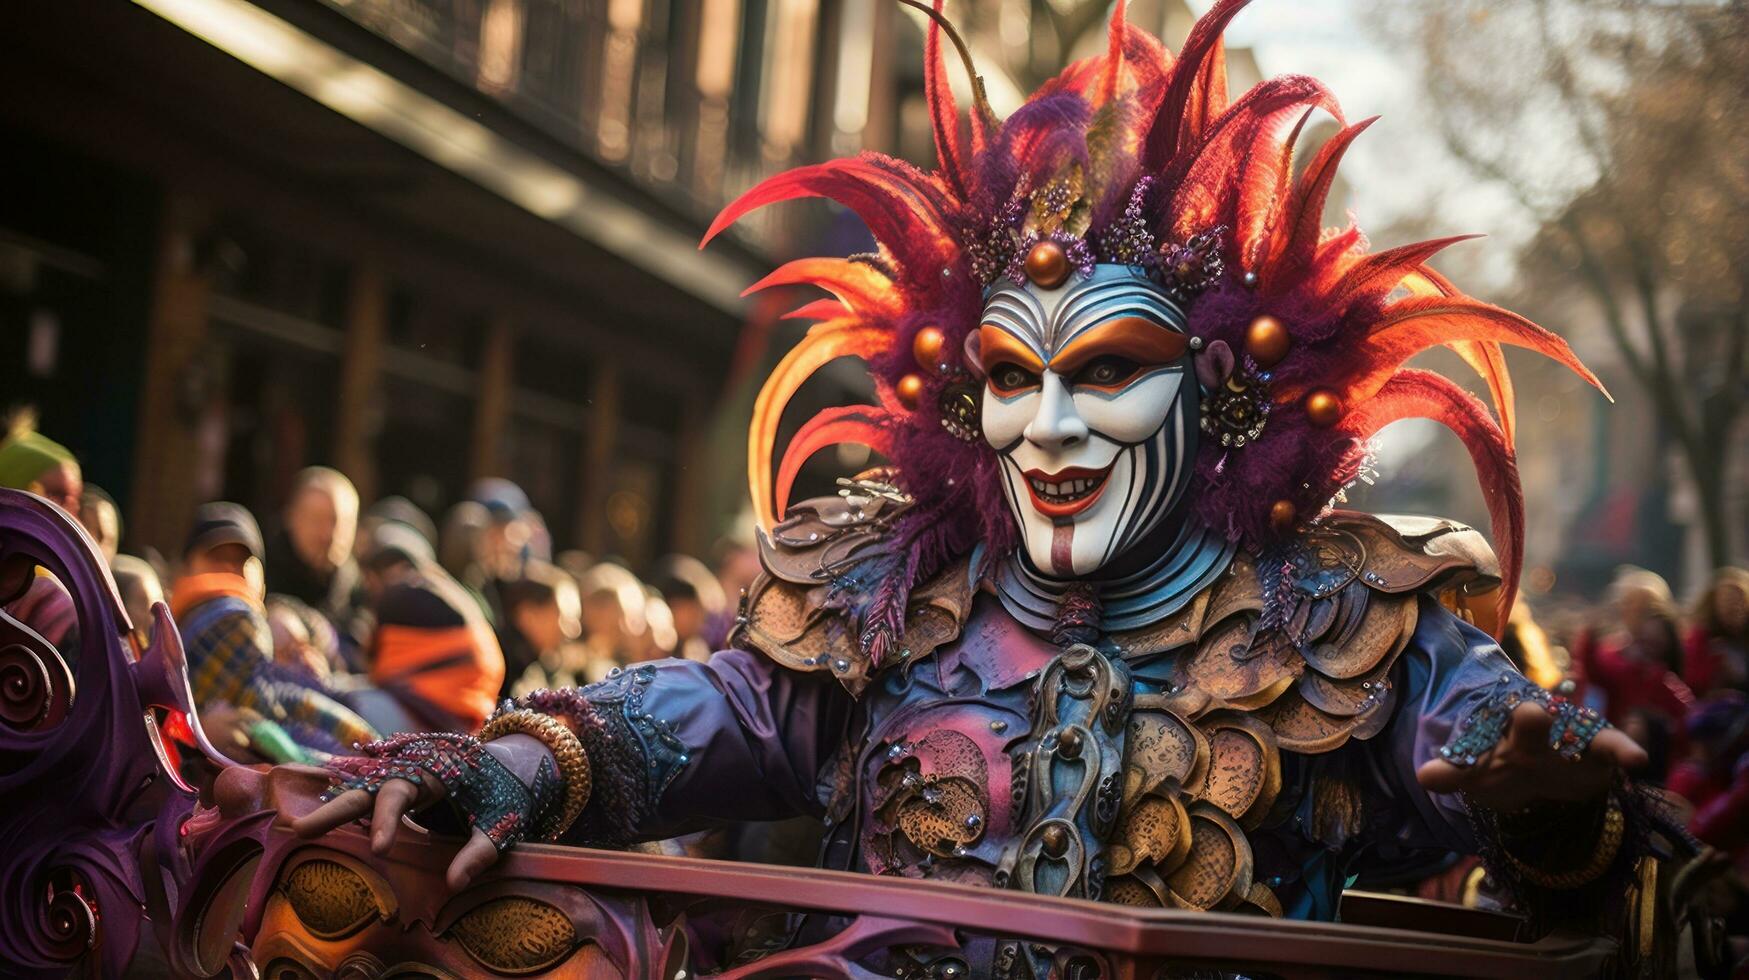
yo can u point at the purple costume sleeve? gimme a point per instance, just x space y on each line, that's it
675 745
1448 669
760 734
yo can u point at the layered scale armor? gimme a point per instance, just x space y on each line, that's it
1136 768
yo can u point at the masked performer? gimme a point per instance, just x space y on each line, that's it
1096 632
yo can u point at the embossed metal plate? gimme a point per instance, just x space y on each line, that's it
1363 649
1217 871
1161 746
1299 727
1155 831
1244 773
1227 667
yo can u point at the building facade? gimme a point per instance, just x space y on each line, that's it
426 241
423 242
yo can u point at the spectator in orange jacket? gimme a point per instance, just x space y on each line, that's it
432 650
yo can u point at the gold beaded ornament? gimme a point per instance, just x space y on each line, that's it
1608 845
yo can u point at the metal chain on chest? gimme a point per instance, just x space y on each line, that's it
1068 775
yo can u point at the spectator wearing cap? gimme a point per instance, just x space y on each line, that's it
311 558
432 651
354 631
32 461
394 509
506 543
218 610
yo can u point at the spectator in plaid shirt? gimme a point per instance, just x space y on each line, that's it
217 605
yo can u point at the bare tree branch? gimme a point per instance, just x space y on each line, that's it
1644 99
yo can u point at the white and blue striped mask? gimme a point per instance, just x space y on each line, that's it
1090 401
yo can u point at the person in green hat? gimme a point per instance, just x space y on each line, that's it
32 461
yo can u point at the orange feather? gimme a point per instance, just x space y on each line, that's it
858 285
864 424
1302 222
824 342
1424 394
1412 325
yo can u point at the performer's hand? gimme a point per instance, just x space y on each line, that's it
1524 769
395 799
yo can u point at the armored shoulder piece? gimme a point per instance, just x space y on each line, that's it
1291 653
822 565
1306 638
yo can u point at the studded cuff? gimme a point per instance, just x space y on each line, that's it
1574 725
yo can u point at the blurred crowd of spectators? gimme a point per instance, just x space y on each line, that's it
1678 682
342 622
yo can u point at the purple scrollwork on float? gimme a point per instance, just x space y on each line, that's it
82 771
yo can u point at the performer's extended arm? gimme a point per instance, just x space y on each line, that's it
657 750
1527 777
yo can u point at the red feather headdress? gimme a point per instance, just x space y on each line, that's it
1134 156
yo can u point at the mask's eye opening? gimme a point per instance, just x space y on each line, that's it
1138 340
1108 373
515 935
1008 378
330 899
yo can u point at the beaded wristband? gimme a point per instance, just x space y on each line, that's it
567 752
1574 724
